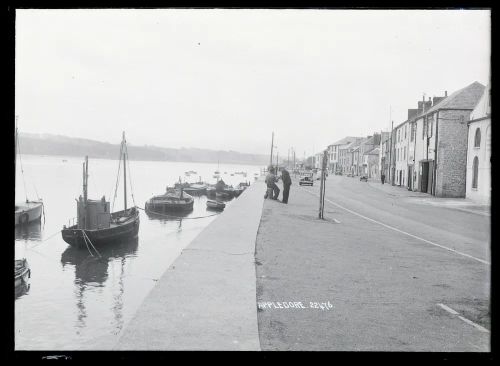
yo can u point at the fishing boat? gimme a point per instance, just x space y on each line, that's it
96 225
223 195
211 191
171 201
22 272
196 189
215 205
29 210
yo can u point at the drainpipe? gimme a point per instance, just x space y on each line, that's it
435 153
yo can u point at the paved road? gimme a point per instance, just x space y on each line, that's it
400 274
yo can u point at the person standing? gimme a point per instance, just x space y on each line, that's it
287 182
382 178
271 183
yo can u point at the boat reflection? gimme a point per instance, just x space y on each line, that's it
21 290
31 231
92 271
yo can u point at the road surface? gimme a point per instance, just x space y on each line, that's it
387 270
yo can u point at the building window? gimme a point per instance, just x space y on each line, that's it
475 170
477 138
405 131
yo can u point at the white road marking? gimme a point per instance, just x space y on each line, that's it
470 322
450 310
336 221
401 231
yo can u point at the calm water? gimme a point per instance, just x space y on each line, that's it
77 301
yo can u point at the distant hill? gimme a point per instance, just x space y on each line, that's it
47 144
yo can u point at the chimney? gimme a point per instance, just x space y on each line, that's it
436 100
420 107
412 113
445 93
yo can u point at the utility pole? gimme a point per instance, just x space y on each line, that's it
322 187
390 156
288 159
272 145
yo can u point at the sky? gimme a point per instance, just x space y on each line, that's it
225 79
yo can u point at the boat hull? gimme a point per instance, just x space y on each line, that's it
169 207
99 237
22 273
28 212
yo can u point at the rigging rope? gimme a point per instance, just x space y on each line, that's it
21 164
85 236
129 176
117 177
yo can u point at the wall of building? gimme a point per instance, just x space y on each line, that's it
481 194
452 153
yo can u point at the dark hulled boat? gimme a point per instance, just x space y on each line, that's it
96 225
173 200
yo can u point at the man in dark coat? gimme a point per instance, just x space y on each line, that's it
382 178
287 182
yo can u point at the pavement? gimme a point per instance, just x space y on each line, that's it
460 204
382 272
206 300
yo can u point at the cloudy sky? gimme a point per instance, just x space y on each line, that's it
224 79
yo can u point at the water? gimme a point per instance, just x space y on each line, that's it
76 301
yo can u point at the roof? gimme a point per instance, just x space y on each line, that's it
465 98
482 108
374 151
345 140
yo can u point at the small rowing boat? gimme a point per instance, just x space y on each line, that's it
215 205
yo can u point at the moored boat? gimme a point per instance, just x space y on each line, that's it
196 189
22 272
211 191
30 210
215 205
96 225
223 195
171 201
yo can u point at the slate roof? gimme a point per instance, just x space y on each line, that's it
465 98
345 140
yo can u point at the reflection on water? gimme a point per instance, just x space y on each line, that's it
31 231
22 290
92 271
83 301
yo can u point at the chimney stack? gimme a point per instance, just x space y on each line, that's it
446 93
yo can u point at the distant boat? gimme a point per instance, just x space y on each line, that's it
30 210
215 205
21 272
172 200
95 223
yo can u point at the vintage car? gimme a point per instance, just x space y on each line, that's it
306 178
363 178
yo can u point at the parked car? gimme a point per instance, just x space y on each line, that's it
350 175
363 178
306 178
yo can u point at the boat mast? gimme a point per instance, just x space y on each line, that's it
85 185
124 173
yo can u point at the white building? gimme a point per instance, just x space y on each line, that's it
478 179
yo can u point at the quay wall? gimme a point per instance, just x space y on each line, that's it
206 300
